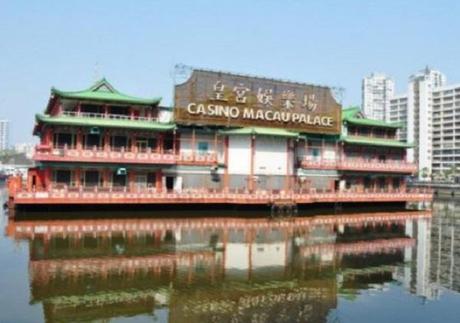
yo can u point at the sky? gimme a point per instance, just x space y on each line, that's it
136 44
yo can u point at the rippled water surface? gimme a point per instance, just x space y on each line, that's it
366 267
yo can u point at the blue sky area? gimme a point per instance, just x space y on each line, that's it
135 44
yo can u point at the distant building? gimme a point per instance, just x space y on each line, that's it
446 129
377 89
398 113
415 110
4 134
25 148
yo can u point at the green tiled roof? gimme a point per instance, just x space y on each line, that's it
277 132
350 112
375 142
104 91
351 115
105 123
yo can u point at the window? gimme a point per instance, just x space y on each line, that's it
203 147
62 176
91 178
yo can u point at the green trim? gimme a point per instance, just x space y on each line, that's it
325 137
375 142
261 131
373 123
353 115
105 123
102 90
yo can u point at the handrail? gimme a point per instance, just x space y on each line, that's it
107 116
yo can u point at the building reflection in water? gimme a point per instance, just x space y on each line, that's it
224 269
445 247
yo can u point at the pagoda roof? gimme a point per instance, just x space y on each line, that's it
354 115
277 132
102 90
102 122
369 141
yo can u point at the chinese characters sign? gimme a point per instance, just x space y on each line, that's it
214 98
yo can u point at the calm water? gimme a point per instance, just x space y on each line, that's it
374 267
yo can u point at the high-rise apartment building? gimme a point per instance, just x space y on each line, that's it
398 113
4 134
415 110
377 90
446 128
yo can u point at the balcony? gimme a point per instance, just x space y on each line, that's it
359 164
107 116
122 156
70 196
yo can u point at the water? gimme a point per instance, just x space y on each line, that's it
374 267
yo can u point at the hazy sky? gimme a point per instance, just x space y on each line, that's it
135 44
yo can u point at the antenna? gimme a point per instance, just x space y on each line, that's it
338 93
181 73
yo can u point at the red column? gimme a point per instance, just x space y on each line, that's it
132 137
160 143
288 164
226 176
79 139
251 174
77 177
131 179
106 140
47 178
159 180
193 143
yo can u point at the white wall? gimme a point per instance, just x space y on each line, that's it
236 256
239 155
271 156
268 254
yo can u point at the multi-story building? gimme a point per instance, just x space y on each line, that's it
234 140
4 134
398 114
446 129
377 89
415 111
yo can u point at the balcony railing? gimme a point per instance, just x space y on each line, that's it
144 156
107 116
143 195
359 164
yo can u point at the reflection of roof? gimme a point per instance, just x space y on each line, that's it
261 131
102 122
353 115
102 90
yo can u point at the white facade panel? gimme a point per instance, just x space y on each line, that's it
239 155
271 156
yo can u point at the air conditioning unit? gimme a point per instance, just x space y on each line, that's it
94 131
122 171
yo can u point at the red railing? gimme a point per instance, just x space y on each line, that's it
359 164
142 195
147 156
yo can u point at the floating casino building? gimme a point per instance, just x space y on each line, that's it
229 140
